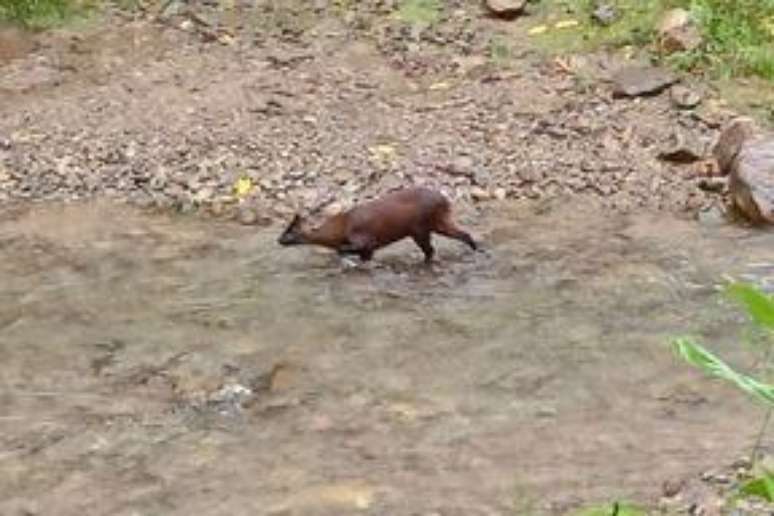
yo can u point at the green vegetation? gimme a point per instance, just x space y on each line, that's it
760 309
419 12
738 36
40 14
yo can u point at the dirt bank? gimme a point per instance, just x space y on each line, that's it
340 105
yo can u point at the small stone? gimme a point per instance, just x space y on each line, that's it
506 8
479 194
247 216
730 141
480 176
683 97
677 32
158 182
672 488
500 193
682 149
633 81
604 14
203 195
463 165
217 208
751 181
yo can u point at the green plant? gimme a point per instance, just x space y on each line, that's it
420 12
761 486
738 36
36 13
759 307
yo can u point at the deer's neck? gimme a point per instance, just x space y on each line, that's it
330 234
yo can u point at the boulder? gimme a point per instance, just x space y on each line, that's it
506 8
677 32
730 141
633 81
751 179
747 157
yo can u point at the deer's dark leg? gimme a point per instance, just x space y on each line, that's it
357 247
423 241
366 254
448 229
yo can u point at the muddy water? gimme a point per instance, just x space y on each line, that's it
154 365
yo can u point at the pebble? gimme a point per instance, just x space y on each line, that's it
604 14
633 81
683 97
479 194
506 8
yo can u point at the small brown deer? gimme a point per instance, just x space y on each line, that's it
415 212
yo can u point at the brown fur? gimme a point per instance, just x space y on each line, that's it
416 212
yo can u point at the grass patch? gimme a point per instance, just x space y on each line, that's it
420 12
738 36
40 14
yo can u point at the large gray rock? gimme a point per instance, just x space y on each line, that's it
751 180
506 8
748 158
678 32
634 81
730 141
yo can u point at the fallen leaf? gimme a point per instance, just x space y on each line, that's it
404 411
768 25
442 85
342 496
226 39
383 152
243 186
538 29
566 24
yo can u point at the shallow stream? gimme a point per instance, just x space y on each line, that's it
160 365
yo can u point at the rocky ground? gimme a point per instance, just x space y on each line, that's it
315 108
253 113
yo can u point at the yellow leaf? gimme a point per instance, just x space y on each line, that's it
383 152
443 85
566 24
768 24
538 29
243 186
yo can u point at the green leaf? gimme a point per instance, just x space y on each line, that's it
762 487
759 306
699 357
